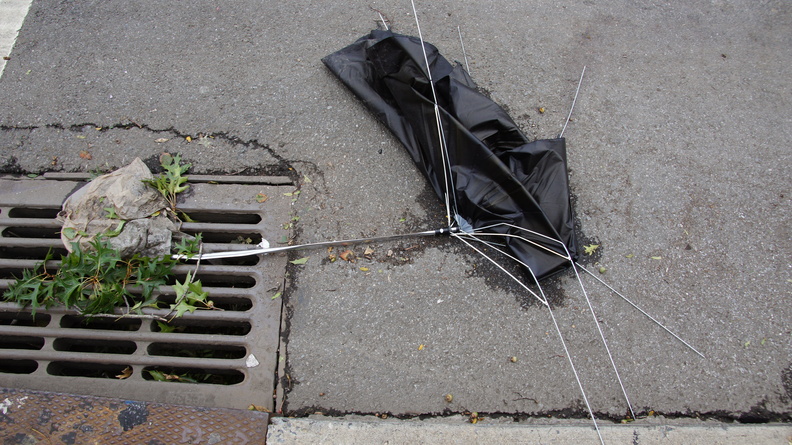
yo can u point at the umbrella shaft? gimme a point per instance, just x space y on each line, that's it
374 239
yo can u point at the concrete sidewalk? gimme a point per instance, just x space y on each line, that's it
285 431
679 155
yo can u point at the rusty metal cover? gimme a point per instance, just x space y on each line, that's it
32 417
233 353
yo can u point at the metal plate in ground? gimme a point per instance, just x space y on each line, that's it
233 351
33 417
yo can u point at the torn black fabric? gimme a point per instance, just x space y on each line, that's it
499 177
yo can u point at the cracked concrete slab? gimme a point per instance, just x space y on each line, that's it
678 155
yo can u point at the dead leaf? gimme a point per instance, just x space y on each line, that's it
421 347
368 252
347 255
364 269
449 398
253 407
85 155
188 139
300 261
161 140
261 197
125 374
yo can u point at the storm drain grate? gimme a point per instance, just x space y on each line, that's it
229 355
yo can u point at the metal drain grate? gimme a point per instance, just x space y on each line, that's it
232 354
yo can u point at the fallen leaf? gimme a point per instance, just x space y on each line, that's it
513 359
85 155
364 269
629 255
300 261
657 258
421 347
161 140
277 295
449 398
542 109
80 136
261 197
253 407
125 374
188 139
306 179
368 251
590 249
347 255
602 270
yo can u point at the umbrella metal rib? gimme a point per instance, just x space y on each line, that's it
568 256
448 179
543 299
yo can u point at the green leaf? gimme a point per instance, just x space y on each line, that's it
300 261
181 307
117 231
590 249
69 232
166 328
111 213
157 375
277 295
96 281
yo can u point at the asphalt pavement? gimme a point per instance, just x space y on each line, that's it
679 155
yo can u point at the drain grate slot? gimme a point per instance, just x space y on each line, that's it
21 318
85 369
95 346
21 342
222 217
194 375
18 366
33 212
201 351
227 355
187 326
78 322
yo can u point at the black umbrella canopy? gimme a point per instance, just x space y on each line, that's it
500 182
